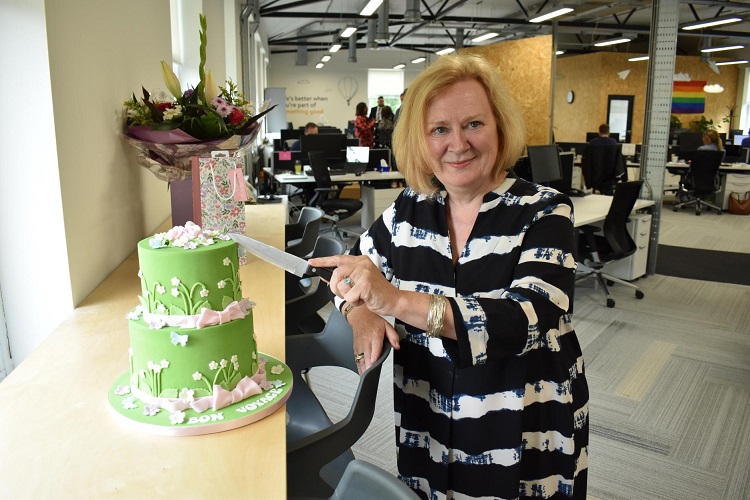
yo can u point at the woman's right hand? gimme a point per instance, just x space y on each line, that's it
369 332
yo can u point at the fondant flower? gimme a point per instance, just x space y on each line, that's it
204 292
177 417
236 365
266 385
161 308
133 315
129 403
187 395
278 383
156 324
161 289
223 363
164 363
233 359
130 352
175 292
157 242
197 376
213 365
190 245
221 284
192 229
121 390
227 261
151 410
175 281
140 273
276 370
255 356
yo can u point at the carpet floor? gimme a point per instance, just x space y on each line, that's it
705 265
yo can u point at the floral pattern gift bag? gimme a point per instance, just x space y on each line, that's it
219 190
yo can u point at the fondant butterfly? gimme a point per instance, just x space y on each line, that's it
178 339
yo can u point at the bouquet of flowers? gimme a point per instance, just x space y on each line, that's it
169 129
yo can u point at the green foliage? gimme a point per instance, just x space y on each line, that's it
702 124
675 122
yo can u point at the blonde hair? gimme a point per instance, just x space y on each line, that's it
409 136
713 136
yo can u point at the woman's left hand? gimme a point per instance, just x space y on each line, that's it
358 281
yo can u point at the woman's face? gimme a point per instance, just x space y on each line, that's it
462 138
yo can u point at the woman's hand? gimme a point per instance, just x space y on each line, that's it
359 282
370 330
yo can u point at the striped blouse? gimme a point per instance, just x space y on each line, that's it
503 411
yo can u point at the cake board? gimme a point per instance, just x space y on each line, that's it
130 409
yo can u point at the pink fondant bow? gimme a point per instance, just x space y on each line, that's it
245 388
208 317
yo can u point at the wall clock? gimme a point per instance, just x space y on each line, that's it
570 97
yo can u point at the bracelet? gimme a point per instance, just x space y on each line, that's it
347 310
436 316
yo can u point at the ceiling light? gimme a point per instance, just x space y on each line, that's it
558 11
418 60
444 51
335 47
319 65
370 8
399 66
559 52
348 31
325 58
713 89
614 41
484 37
727 63
720 49
717 21
639 58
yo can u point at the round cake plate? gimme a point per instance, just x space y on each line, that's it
245 412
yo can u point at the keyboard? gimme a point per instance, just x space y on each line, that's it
337 171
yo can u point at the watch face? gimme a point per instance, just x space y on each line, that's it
570 96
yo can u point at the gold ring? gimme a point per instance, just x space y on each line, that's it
349 281
359 357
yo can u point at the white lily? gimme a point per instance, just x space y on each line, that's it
171 80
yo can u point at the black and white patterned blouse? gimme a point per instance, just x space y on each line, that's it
503 411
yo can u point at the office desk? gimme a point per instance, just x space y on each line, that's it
60 439
594 207
371 175
734 177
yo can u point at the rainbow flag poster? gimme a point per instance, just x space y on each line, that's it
688 97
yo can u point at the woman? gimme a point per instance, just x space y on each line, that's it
711 141
490 394
384 129
364 126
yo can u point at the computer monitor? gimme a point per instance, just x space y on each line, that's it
379 154
565 184
735 154
333 146
739 138
544 163
690 141
287 134
593 135
628 149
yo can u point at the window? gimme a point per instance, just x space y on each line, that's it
386 82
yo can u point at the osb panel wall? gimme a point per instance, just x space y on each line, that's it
593 77
526 67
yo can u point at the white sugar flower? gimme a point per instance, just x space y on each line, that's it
140 274
156 368
164 363
255 356
133 315
227 261
161 289
197 376
130 352
236 365
121 390
151 410
233 359
190 245
175 281
187 395
177 417
223 363
161 308
204 292
146 294
276 370
213 365
175 292
129 403
221 284
156 324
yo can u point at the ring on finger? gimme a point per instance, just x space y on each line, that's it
349 281
359 357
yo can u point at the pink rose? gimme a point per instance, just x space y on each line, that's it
174 233
236 116
193 230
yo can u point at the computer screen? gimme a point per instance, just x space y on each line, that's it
739 138
332 146
594 135
735 154
628 149
566 169
379 154
544 163
287 134
689 141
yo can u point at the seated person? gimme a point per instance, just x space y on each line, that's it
310 128
604 137
711 141
746 142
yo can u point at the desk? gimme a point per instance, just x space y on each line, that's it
371 175
734 177
594 207
60 439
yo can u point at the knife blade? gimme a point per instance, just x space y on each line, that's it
279 258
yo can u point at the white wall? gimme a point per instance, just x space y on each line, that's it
308 82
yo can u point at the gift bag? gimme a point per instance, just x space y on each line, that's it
219 194
739 204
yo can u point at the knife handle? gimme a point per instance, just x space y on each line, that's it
323 272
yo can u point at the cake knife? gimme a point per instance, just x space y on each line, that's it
286 261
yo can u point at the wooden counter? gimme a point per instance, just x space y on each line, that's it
60 439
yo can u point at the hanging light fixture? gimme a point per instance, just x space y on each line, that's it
638 58
370 8
335 46
487 36
399 66
728 63
418 60
444 51
319 65
325 58
716 21
721 49
348 31
552 13
613 41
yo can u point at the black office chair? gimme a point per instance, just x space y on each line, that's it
603 166
319 451
301 236
702 180
595 251
306 296
327 197
365 480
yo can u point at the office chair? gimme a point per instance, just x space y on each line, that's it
365 480
603 166
306 296
702 180
318 451
327 197
595 251
301 236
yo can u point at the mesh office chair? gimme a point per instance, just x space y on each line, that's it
327 197
702 180
615 242
319 451
301 236
603 166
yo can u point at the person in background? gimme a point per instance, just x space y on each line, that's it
375 111
398 111
745 142
490 394
384 129
364 126
310 128
604 137
711 141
